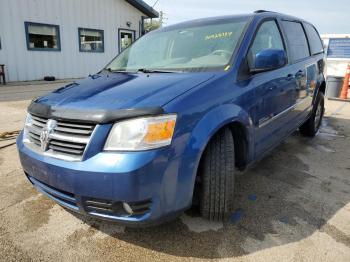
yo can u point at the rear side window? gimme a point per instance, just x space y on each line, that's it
267 37
296 39
315 41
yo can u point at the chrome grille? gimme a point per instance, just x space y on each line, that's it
67 141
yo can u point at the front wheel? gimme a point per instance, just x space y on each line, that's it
312 125
218 166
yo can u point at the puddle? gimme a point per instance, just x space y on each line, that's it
325 149
236 216
328 130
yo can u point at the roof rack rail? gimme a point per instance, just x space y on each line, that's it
260 11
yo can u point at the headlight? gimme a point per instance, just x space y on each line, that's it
28 120
27 123
141 133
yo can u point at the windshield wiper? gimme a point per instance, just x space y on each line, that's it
143 70
149 71
116 71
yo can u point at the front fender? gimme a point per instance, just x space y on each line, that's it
203 131
212 121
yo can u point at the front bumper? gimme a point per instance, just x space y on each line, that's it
148 181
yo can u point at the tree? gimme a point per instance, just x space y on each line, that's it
153 24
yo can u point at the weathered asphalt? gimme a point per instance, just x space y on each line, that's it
29 90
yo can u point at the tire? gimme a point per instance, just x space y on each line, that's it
218 166
312 125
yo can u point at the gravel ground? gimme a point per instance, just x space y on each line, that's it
292 206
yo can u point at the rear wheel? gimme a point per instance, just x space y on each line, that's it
312 125
217 177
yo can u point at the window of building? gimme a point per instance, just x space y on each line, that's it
315 41
42 37
126 38
296 39
91 40
267 37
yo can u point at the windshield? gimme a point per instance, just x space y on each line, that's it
192 48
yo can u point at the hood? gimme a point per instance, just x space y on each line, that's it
112 91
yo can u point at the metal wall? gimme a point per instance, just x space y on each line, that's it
22 64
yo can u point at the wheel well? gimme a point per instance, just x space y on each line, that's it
241 144
239 134
323 87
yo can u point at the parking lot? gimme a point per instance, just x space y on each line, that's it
294 205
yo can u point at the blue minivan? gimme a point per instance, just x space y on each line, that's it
170 120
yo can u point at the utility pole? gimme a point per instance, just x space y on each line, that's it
161 18
156 2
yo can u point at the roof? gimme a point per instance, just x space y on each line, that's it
264 13
227 18
205 21
144 8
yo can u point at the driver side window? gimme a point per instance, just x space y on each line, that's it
267 37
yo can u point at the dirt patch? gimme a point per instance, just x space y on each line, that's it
81 234
37 212
336 234
15 190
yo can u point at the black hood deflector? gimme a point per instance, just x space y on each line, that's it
96 116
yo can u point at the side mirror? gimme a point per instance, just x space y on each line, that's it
269 59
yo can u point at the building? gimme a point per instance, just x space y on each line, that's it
337 48
66 38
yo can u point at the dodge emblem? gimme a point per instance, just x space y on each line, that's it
45 134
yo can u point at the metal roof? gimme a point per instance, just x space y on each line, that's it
144 8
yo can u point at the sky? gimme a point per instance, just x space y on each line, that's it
329 16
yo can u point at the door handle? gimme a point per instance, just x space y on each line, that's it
290 76
300 74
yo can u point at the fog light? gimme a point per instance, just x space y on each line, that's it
127 208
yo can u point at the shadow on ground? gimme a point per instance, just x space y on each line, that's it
286 197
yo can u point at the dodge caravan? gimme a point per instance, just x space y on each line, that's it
170 120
